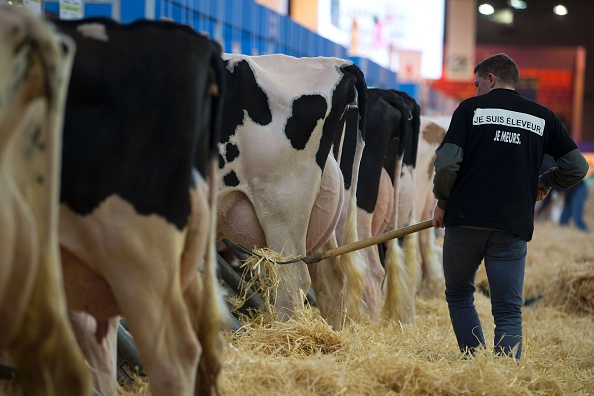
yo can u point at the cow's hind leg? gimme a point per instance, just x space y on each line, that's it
139 258
157 316
204 303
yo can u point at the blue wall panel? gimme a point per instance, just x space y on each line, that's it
247 27
411 89
132 11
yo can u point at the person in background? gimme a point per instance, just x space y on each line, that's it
575 200
487 182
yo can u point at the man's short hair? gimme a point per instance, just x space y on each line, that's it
501 66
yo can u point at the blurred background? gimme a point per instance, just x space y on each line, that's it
427 48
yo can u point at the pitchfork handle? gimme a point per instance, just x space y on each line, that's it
315 258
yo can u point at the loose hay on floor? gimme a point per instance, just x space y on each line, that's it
305 357
306 335
386 358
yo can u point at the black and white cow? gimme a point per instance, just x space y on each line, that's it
388 142
34 330
281 184
400 302
140 129
409 162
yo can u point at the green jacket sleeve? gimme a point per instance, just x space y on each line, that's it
571 168
447 164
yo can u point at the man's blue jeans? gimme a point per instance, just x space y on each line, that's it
504 255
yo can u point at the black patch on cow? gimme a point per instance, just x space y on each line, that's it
134 123
231 152
397 147
414 119
349 144
383 135
343 94
360 95
306 111
230 179
351 89
242 94
221 161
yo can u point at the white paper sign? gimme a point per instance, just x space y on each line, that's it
71 9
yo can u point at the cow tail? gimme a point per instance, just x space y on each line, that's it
410 246
361 87
214 314
412 258
353 264
401 273
433 278
401 280
395 282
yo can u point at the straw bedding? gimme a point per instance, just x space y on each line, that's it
306 357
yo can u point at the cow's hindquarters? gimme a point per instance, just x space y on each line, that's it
143 273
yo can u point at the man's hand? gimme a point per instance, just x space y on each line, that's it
540 194
438 217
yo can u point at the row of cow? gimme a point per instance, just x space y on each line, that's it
127 151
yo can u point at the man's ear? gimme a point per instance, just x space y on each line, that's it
492 80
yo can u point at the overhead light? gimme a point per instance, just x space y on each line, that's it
486 9
517 4
505 16
560 9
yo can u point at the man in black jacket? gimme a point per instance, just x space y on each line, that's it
487 182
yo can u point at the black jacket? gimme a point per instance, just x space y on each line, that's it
488 165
